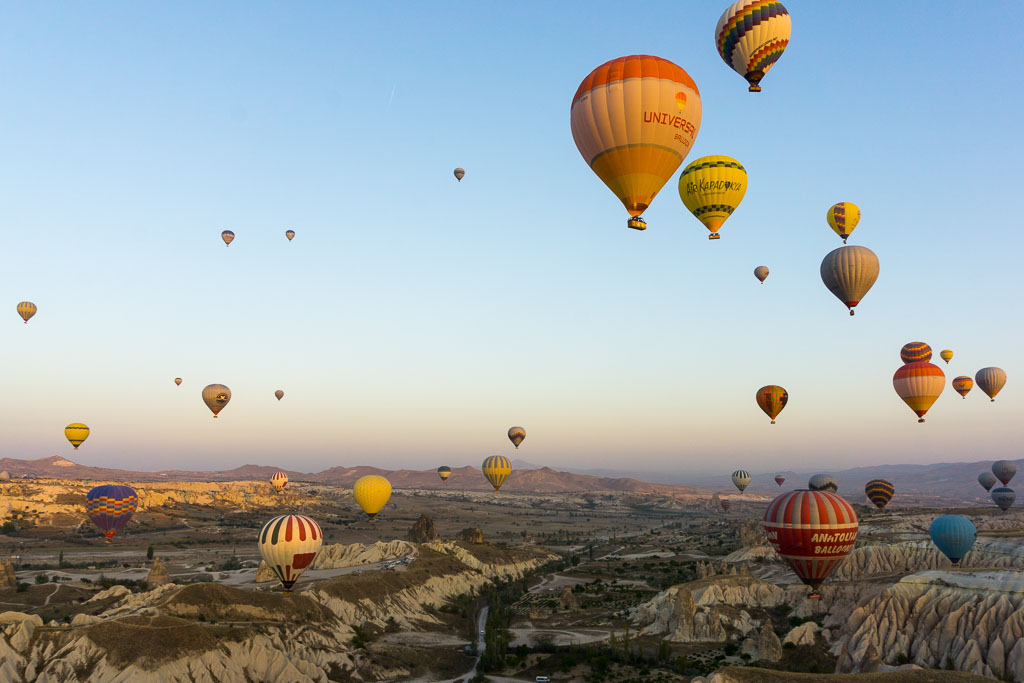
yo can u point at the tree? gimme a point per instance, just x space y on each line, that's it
149 553
60 560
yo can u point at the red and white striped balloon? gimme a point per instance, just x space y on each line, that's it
289 545
812 531
279 480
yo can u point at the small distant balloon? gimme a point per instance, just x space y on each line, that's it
1004 470
843 218
279 394
516 435
823 482
26 309
991 381
444 472
741 479
953 535
110 507
988 480
496 469
772 399
779 479
290 234
177 381
963 385
725 503
216 396
1003 497
879 492
279 480
946 355
849 273
761 273
460 173
76 433
914 352
228 237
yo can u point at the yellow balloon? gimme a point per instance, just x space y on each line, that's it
843 218
497 469
946 355
26 309
372 493
711 188
76 433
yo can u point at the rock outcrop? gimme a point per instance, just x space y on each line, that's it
804 634
471 535
423 530
338 555
763 646
568 599
7 577
264 573
709 610
502 565
158 575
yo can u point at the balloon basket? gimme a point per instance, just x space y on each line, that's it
716 236
636 223
814 595
920 419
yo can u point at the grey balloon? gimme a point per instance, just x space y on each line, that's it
1004 470
1003 497
988 480
823 482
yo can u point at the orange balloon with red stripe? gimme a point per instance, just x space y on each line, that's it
963 385
919 384
634 120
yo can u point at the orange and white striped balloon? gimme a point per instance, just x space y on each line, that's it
289 545
919 384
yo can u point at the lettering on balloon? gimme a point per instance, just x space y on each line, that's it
704 185
666 119
834 538
832 549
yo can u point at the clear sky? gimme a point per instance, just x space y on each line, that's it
414 319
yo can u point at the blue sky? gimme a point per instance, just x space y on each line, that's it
414 319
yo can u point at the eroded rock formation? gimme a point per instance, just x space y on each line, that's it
423 530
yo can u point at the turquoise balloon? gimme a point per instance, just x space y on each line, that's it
953 535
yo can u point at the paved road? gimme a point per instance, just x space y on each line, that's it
481 625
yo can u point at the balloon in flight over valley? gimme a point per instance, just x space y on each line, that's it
216 396
76 433
372 492
751 37
634 119
26 309
279 480
1004 497
779 479
288 545
279 394
460 173
988 480
110 507
741 479
946 355
849 273
177 381
963 385
843 218
516 435
823 482
879 492
991 381
953 535
772 399
915 352
725 504
711 188
444 472
228 237
496 469
1004 470
812 531
290 234
919 385
761 273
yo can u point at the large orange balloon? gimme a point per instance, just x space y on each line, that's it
919 385
634 120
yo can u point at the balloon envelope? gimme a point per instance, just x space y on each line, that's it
216 396
879 492
279 480
228 237
963 385
779 479
290 234
634 119
953 535
289 544
751 36
946 355
711 188
988 480
444 472
991 381
849 273
26 309
496 469
76 433
110 507
1003 497
460 173
741 479
725 503
919 385
761 273
823 482
279 394
177 381
812 531
516 435
1004 470
372 493
843 218
772 399
913 352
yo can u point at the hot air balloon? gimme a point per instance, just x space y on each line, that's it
879 492
772 399
741 479
444 472
279 480
761 273
634 119
516 435
26 309
823 482
849 272
290 234
988 480
76 433
1003 497
779 479
751 36
177 381
216 396
460 173
812 531
946 355
711 188
919 385
372 493
725 503
915 352
953 535
962 385
497 469
228 237
289 545
110 507
279 394
843 218
991 381
1004 470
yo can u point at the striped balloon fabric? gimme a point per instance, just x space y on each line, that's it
919 384
497 469
741 479
823 482
751 36
963 385
289 544
991 381
843 218
110 507
772 399
725 503
915 352
279 480
879 492
812 531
